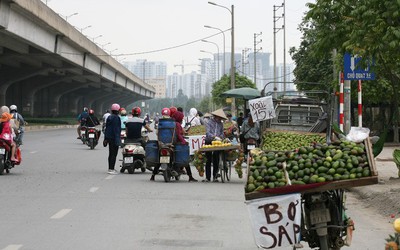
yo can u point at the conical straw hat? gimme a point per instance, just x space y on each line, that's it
220 113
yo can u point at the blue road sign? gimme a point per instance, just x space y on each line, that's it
352 71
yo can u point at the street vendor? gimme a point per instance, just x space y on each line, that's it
214 131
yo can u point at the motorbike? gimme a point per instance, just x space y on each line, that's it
167 167
83 134
133 156
5 157
324 222
91 137
123 136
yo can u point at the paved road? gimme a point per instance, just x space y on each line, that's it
62 198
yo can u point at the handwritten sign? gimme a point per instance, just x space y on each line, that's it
262 108
276 220
195 142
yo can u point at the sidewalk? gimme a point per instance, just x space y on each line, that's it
384 196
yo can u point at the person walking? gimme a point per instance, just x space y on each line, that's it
214 131
112 137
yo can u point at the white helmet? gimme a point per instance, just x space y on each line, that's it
13 107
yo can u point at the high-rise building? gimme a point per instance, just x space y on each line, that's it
153 73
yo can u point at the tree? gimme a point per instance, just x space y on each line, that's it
369 29
224 84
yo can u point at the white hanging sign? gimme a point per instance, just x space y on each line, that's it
262 108
276 220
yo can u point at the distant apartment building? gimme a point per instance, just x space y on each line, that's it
159 85
151 72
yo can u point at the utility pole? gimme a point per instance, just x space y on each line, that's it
254 55
276 30
284 47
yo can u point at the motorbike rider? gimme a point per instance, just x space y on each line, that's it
6 133
81 120
92 121
178 117
112 137
134 127
19 122
156 120
124 117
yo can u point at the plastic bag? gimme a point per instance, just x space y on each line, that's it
358 134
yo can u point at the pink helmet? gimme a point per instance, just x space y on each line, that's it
115 107
166 112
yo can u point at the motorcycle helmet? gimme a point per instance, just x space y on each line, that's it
13 107
166 112
91 112
136 111
85 109
123 111
115 107
173 110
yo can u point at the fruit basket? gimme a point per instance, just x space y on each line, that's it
310 168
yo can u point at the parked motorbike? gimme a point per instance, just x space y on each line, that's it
324 222
92 137
5 157
250 144
133 155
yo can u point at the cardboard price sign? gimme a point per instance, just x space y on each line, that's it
262 108
195 142
276 220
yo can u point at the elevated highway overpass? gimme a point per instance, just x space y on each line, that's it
49 68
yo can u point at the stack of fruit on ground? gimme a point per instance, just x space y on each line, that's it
286 140
393 242
199 161
316 163
201 130
238 164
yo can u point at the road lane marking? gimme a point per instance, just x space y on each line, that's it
12 247
34 152
61 213
93 189
109 177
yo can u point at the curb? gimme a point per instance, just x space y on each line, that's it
47 127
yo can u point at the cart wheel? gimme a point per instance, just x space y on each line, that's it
228 170
222 171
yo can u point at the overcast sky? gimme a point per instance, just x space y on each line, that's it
171 30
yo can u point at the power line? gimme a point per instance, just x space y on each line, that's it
154 51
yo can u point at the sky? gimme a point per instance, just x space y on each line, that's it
171 30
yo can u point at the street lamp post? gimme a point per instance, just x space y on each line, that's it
102 46
233 106
214 75
94 38
111 51
223 33
85 28
74 14
217 57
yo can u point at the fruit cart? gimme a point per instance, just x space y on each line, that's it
315 174
225 163
352 165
